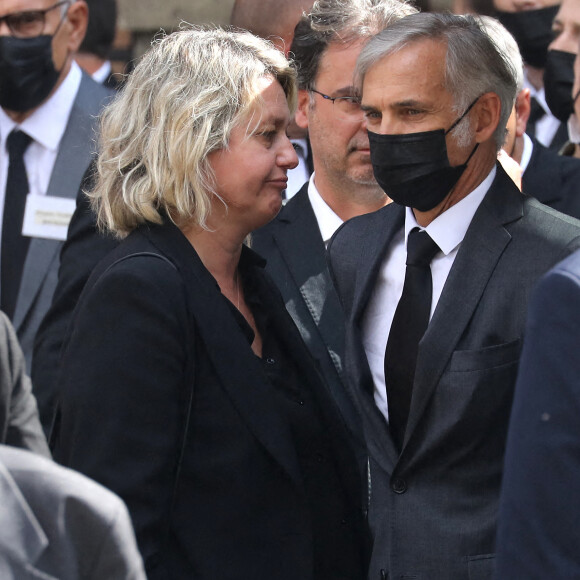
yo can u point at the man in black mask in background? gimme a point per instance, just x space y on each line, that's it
559 74
432 347
48 111
531 25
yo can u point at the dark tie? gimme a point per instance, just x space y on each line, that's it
536 113
409 325
14 244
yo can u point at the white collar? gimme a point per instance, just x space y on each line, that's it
103 72
328 221
48 123
448 229
527 152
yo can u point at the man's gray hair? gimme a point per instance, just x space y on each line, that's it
506 45
343 21
474 65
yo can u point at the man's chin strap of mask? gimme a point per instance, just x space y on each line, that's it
457 123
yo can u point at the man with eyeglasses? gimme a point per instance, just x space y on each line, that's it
326 45
48 111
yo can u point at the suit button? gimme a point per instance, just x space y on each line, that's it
399 485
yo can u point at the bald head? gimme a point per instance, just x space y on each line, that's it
273 20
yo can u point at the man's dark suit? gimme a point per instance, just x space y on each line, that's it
553 180
433 508
296 260
189 431
75 151
538 531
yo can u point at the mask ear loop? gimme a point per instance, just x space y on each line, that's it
462 116
459 121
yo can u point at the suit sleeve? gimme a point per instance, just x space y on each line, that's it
124 390
83 249
538 533
23 427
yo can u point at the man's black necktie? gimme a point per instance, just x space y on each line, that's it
409 325
14 244
536 113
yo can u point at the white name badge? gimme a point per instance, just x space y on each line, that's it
47 216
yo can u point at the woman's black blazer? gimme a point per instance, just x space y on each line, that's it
163 401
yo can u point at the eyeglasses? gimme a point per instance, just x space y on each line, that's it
344 108
30 23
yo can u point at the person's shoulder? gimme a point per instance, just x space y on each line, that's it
92 95
549 221
356 229
83 521
569 267
133 262
34 473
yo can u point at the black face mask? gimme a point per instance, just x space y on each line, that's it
27 72
413 169
532 30
558 83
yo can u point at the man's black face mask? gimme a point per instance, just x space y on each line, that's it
413 169
27 72
558 83
532 30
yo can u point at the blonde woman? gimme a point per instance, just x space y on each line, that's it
186 388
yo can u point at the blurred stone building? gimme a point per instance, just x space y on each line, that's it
140 20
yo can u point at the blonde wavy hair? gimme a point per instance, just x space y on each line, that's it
179 104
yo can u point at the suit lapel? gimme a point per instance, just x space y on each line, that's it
381 229
240 375
75 152
383 226
482 247
302 248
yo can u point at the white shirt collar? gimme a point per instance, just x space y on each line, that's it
527 152
48 123
328 221
103 72
448 229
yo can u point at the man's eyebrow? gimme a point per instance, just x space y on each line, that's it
349 91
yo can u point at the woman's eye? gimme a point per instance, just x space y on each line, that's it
268 136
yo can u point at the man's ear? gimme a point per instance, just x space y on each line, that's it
523 108
301 115
77 20
487 113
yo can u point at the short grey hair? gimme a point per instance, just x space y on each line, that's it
473 66
179 104
343 21
507 46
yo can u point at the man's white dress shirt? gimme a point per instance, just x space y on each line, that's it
448 231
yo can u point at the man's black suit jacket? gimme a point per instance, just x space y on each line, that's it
538 533
296 260
434 506
164 402
553 179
